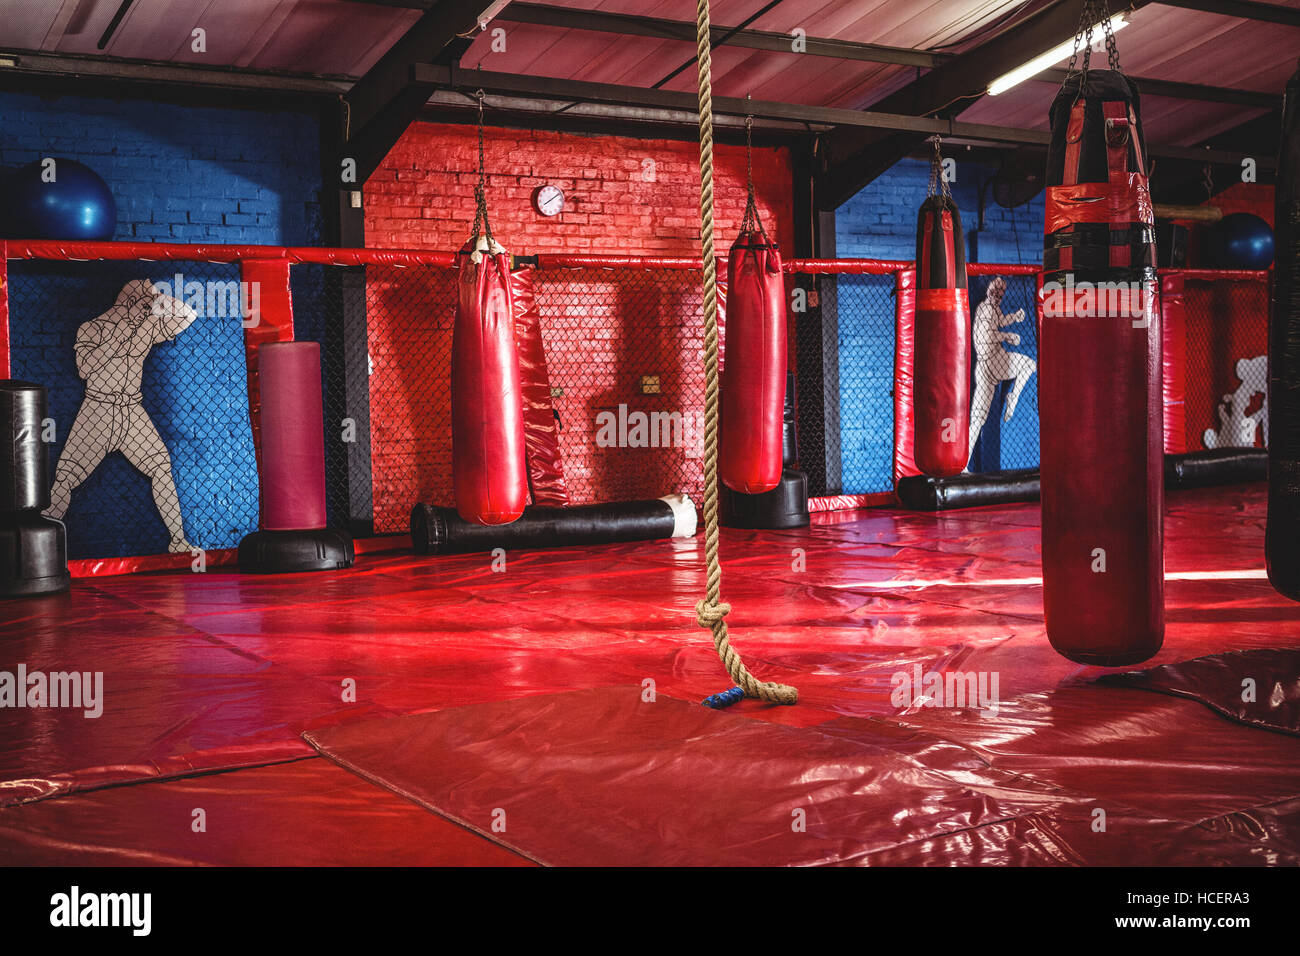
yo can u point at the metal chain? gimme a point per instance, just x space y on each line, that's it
1078 35
480 191
937 181
751 221
1112 48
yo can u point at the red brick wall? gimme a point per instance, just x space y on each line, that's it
603 331
423 194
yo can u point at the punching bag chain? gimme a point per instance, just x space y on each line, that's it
480 191
711 611
1094 12
938 182
751 221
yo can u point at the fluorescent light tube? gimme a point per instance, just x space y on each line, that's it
1057 53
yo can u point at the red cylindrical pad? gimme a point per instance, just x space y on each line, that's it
1173 327
753 373
292 475
489 473
1100 408
941 381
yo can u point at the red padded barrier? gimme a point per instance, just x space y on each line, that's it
291 476
272 322
169 251
1173 314
541 434
904 357
1226 320
4 311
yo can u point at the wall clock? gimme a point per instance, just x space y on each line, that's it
548 200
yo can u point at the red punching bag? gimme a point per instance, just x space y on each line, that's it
752 392
489 473
941 366
1099 379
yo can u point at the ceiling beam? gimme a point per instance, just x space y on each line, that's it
383 103
855 157
94 69
430 78
1242 9
399 4
1191 91
540 14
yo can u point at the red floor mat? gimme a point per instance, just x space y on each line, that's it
306 813
206 672
602 778
1258 688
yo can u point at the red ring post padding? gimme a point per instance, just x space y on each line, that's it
292 472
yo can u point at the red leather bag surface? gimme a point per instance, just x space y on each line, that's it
753 374
489 474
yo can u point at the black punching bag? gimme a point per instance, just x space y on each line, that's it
33 548
1282 539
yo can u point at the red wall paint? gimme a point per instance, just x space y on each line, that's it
603 331
422 196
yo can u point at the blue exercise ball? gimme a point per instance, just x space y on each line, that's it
75 204
1242 241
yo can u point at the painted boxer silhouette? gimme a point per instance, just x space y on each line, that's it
111 351
1237 428
993 363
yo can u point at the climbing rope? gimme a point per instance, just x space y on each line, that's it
712 611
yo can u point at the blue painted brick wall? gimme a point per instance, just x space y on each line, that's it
178 174
880 223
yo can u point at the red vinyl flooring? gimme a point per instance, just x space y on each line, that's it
309 719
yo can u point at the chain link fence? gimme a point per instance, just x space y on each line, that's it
152 449
625 359
1225 377
1004 373
148 419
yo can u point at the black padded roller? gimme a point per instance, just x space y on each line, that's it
924 493
436 530
1219 466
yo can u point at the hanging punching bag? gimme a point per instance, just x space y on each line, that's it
1099 379
1282 539
753 372
941 369
489 473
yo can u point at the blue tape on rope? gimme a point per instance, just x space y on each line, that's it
725 699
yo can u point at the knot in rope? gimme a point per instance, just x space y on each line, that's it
707 614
